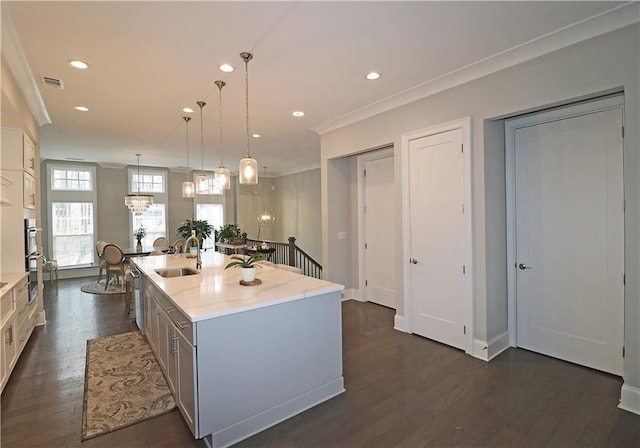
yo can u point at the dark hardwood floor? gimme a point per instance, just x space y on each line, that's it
402 391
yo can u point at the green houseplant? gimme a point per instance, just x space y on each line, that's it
230 234
248 266
201 226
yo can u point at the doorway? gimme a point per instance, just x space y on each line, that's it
565 205
377 227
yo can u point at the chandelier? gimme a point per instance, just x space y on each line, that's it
248 168
138 203
223 176
188 189
202 184
266 216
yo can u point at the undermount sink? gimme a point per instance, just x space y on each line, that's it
175 272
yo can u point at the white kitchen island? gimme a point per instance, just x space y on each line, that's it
240 359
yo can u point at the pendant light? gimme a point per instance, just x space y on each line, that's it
248 169
138 203
188 189
223 176
266 216
202 183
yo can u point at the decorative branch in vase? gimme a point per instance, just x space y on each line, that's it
139 234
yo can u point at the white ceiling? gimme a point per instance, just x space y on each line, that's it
148 60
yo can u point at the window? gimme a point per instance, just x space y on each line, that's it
154 222
214 189
72 233
71 179
214 214
148 183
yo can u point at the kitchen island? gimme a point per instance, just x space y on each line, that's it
240 359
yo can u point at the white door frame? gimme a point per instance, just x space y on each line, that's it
510 127
362 159
403 322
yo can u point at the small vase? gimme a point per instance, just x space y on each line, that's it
139 246
248 274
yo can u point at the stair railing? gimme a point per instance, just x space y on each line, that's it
290 254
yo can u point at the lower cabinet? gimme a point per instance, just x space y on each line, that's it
164 326
18 319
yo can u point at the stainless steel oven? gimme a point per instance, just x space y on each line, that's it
34 271
32 256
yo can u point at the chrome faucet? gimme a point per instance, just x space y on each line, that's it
186 245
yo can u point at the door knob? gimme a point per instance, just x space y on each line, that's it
413 261
523 266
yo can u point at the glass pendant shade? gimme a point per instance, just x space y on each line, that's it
188 189
248 171
202 184
223 177
248 168
138 203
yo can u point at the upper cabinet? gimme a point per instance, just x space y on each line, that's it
18 151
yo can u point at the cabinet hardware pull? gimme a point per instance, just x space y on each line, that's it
182 325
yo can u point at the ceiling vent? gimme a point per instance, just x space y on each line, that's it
53 82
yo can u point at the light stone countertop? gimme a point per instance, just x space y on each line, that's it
11 280
216 292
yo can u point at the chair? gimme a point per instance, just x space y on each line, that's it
177 246
99 251
160 243
50 266
114 258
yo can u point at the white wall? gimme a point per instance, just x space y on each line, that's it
600 65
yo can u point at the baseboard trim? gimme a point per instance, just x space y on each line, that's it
239 431
401 324
630 399
351 294
488 350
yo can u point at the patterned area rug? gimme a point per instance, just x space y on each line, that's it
98 288
123 384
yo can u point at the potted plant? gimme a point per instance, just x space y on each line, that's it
201 226
248 266
230 234
139 234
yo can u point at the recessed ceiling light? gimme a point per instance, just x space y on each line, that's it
187 110
373 75
78 64
255 135
82 108
298 113
226 68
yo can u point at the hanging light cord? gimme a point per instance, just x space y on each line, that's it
220 85
186 120
201 104
247 57
138 183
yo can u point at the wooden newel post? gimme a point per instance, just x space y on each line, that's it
292 251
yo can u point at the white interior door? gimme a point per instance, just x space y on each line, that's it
380 232
436 182
569 239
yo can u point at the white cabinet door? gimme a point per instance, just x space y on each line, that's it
186 390
29 191
8 347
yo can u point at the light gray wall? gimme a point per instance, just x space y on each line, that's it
180 208
599 65
113 215
298 211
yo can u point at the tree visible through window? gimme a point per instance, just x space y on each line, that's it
72 233
71 180
154 222
214 214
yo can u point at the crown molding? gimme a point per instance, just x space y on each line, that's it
17 62
603 23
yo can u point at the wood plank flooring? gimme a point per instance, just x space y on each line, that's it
402 391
